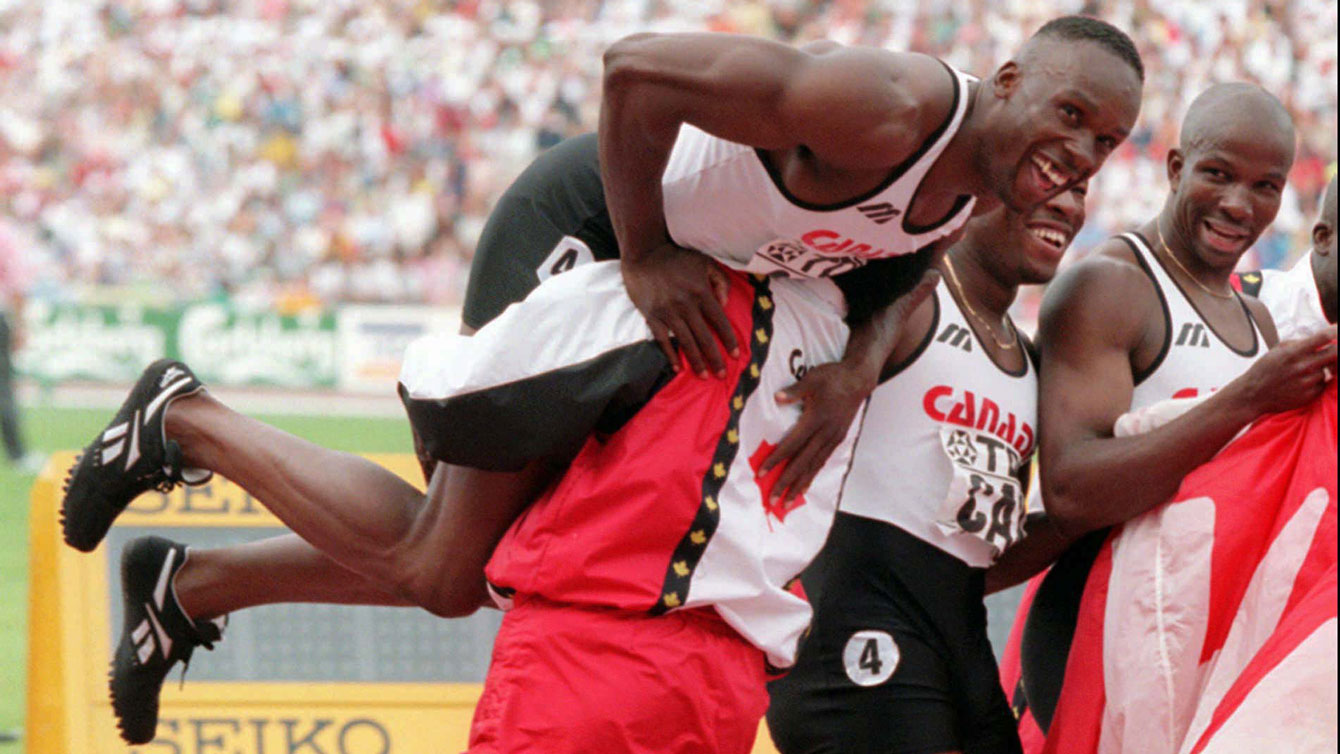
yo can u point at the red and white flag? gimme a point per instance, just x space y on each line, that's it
1208 625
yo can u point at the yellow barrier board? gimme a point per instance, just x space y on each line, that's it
311 698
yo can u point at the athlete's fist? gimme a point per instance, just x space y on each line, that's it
682 293
1292 374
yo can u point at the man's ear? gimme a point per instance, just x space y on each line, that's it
1176 161
1321 239
1006 80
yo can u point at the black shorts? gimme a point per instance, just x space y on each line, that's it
898 660
549 220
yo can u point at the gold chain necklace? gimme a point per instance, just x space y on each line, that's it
1158 226
985 323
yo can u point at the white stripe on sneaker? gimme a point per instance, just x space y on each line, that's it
113 452
133 454
145 649
164 641
114 432
160 589
162 397
138 634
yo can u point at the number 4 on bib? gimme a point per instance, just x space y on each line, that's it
870 657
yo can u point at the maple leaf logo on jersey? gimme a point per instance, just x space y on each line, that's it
960 448
772 508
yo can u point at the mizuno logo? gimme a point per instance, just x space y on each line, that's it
880 213
958 337
1193 334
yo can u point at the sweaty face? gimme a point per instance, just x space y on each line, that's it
1068 105
1227 190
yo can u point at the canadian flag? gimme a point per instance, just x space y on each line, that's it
1208 625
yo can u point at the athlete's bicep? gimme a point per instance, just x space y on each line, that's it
1090 324
856 107
829 98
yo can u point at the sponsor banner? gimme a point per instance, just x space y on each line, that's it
371 342
96 343
354 348
229 347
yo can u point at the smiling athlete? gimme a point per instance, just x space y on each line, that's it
834 162
1150 316
898 660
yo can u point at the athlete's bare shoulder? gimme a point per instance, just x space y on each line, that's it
1106 295
876 107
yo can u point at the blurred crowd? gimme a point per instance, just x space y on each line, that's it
294 153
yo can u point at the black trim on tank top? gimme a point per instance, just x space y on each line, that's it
1251 321
897 172
1143 374
1022 371
893 371
917 230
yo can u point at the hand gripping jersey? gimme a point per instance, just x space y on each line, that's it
943 442
722 199
1195 361
662 508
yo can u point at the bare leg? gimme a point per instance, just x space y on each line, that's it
214 582
430 549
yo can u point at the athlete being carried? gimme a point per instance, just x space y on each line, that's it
813 136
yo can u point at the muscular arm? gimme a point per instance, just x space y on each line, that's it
1092 322
851 107
1042 544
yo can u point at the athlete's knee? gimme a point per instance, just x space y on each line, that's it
432 586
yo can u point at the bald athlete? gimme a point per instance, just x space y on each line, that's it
1151 315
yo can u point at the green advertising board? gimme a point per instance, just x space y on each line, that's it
222 343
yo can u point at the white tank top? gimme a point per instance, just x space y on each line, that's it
942 441
722 198
1194 361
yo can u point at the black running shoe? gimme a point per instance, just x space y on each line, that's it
155 634
132 455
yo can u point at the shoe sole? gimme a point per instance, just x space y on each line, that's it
125 713
85 517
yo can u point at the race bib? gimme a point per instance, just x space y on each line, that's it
985 499
569 252
794 259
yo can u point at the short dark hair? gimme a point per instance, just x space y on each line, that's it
1087 28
